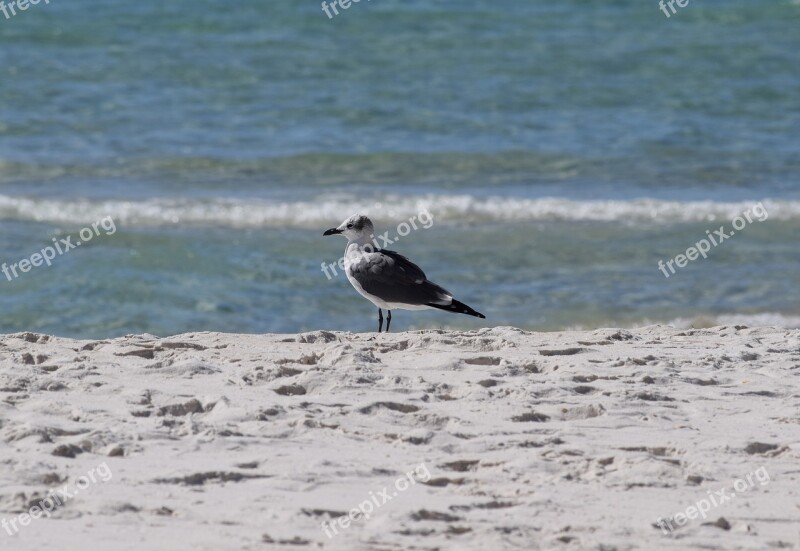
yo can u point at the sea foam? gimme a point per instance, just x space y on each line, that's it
263 213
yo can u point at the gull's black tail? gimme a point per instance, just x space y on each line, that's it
458 308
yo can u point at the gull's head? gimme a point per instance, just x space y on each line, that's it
356 228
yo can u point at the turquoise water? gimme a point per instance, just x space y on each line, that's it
562 149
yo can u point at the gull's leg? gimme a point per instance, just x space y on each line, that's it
388 319
380 321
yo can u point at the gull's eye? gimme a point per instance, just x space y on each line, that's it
349 226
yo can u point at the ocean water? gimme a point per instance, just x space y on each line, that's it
559 151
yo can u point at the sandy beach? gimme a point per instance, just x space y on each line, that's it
490 439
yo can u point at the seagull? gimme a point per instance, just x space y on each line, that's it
387 279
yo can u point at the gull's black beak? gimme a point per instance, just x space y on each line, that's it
332 231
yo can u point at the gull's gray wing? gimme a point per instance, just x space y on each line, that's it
394 278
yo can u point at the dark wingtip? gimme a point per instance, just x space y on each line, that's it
458 308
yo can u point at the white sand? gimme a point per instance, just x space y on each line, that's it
573 440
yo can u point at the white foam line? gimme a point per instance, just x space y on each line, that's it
765 319
258 213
